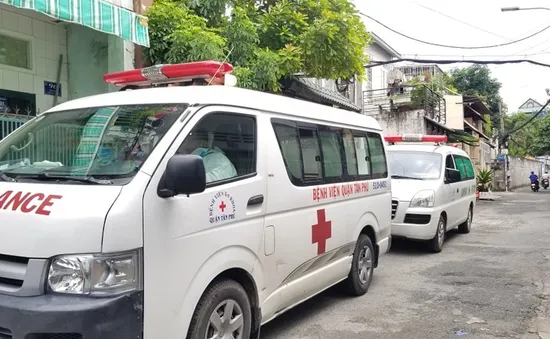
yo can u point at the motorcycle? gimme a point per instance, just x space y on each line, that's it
535 186
545 183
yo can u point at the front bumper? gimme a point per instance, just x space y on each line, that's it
415 223
71 317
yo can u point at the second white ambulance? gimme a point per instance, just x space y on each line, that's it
433 188
192 211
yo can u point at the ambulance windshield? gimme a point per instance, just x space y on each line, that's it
105 142
414 165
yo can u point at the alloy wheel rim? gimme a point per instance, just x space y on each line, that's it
365 265
226 322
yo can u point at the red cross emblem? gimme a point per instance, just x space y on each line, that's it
321 232
222 206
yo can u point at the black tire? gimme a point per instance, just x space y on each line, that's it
217 296
466 226
436 244
358 284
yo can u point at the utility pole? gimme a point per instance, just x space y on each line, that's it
502 145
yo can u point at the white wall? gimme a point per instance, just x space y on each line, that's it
379 73
48 40
454 111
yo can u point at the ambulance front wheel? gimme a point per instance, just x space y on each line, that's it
362 267
223 312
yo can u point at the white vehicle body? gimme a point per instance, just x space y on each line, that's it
282 240
423 192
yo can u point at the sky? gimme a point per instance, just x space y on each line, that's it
472 23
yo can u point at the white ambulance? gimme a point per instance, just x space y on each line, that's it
433 188
189 211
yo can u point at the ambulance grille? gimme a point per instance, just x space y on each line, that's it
21 276
394 204
12 272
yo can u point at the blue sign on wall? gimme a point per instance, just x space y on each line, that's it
500 157
49 88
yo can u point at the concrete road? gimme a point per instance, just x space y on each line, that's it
486 284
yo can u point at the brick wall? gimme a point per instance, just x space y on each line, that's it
48 40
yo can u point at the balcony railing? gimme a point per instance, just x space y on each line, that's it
405 98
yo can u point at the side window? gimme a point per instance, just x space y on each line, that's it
332 156
470 172
351 154
311 154
377 156
363 155
289 142
460 167
449 162
227 144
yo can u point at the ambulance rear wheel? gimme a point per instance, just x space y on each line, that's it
362 267
223 312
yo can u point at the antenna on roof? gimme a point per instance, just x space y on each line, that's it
221 65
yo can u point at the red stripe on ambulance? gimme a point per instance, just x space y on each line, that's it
27 202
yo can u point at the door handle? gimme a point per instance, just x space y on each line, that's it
457 190
256 200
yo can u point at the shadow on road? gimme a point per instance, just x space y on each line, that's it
418 248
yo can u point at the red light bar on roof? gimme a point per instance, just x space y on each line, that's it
211 71
416 138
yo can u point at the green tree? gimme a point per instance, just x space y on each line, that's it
265 40
526 141
477 80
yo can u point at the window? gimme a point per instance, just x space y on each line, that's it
377 156
227 144
105 142
318 154
349 150
415 165
332 156
470 173
15 52
461 167
311 155
362 152
449 162
289 142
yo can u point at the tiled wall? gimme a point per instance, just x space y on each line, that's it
48 41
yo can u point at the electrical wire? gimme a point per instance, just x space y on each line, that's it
452 46
507 135
543 52
462 22
375 63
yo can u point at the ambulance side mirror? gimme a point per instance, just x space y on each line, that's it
452 176
185 174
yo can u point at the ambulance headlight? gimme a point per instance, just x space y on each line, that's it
424 198
97 274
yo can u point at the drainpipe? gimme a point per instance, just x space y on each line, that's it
138 50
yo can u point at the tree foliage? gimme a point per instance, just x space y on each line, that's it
477 80
527 141
265 40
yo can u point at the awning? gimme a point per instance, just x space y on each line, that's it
306 89
97 14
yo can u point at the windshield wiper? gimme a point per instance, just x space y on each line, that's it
5 177
86 179
405 177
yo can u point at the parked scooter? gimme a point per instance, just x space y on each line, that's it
535 186
545 183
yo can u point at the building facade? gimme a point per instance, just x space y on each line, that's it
51 52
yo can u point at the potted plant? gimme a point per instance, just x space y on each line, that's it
484 181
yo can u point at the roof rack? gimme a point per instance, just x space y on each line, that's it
190 73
